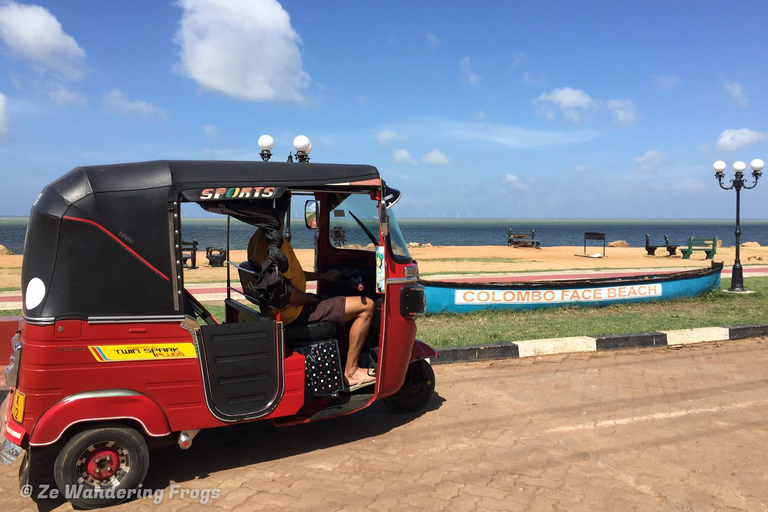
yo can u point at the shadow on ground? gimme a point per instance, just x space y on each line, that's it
244 445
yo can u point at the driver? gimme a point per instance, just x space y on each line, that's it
304 307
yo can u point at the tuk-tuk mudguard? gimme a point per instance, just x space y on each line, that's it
422 351
99 406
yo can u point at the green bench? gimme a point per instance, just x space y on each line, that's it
709 246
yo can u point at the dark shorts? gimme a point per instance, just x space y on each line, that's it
328 310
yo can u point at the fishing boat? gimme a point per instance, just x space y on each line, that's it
464 297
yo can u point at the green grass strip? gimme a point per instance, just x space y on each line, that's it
714 309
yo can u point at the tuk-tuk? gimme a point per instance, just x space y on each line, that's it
113 353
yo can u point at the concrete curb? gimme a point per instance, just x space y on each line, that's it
544 347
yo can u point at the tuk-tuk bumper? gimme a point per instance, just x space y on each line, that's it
12 434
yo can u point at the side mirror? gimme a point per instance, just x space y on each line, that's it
310 214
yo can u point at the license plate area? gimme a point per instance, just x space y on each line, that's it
17 410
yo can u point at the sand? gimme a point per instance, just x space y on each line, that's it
485 259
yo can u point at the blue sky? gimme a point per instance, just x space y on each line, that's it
484 109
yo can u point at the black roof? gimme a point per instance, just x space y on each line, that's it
178 175
105 240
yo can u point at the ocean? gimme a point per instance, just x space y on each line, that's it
551 232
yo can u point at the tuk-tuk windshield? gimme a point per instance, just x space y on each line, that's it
354 225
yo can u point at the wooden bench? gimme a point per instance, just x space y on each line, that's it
216 257
651 249
708 245
189 254
522 238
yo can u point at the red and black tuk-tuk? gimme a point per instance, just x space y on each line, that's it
112 351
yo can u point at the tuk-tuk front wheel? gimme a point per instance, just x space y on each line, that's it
98 467
416 391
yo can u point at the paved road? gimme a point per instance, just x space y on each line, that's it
644 430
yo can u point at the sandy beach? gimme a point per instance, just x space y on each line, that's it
478 259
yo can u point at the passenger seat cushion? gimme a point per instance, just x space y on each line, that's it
315 331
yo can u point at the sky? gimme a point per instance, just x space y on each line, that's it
550 109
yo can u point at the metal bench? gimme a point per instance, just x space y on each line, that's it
189 254
708 245
651 249
216 257
522 238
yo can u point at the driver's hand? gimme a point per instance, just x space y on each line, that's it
331 275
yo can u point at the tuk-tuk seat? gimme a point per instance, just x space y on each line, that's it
294 333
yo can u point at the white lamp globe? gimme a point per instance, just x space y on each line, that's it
757 164
301 143
309 149
739 166
719 166
266 143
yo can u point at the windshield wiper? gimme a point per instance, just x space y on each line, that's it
367 231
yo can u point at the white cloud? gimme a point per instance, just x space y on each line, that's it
433 41
623 112
362 98
210 130
665 82
534 78
582 168
403 157
34 33
489 134
736 91
64 97
387 137
651 161
512 182
435 157
735 140
246 49
117 102
574 104
5 121
466 69
518 60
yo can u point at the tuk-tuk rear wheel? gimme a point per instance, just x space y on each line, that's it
100 460
416 390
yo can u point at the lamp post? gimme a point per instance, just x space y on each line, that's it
266 143
737 277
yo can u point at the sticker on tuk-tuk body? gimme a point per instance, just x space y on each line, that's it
148 352
381 270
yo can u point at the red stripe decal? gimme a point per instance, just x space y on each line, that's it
122 244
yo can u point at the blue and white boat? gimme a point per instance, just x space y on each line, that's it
464 297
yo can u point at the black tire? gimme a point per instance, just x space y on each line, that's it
416 390
117 445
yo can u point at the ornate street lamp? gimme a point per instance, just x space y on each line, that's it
303 148
737 277
266 143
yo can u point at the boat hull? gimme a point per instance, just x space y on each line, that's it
456 297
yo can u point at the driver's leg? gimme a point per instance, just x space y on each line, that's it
358 310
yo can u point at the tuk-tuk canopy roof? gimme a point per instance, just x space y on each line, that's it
106 240
185 175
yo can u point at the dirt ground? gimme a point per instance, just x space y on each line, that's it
492 258
644 430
